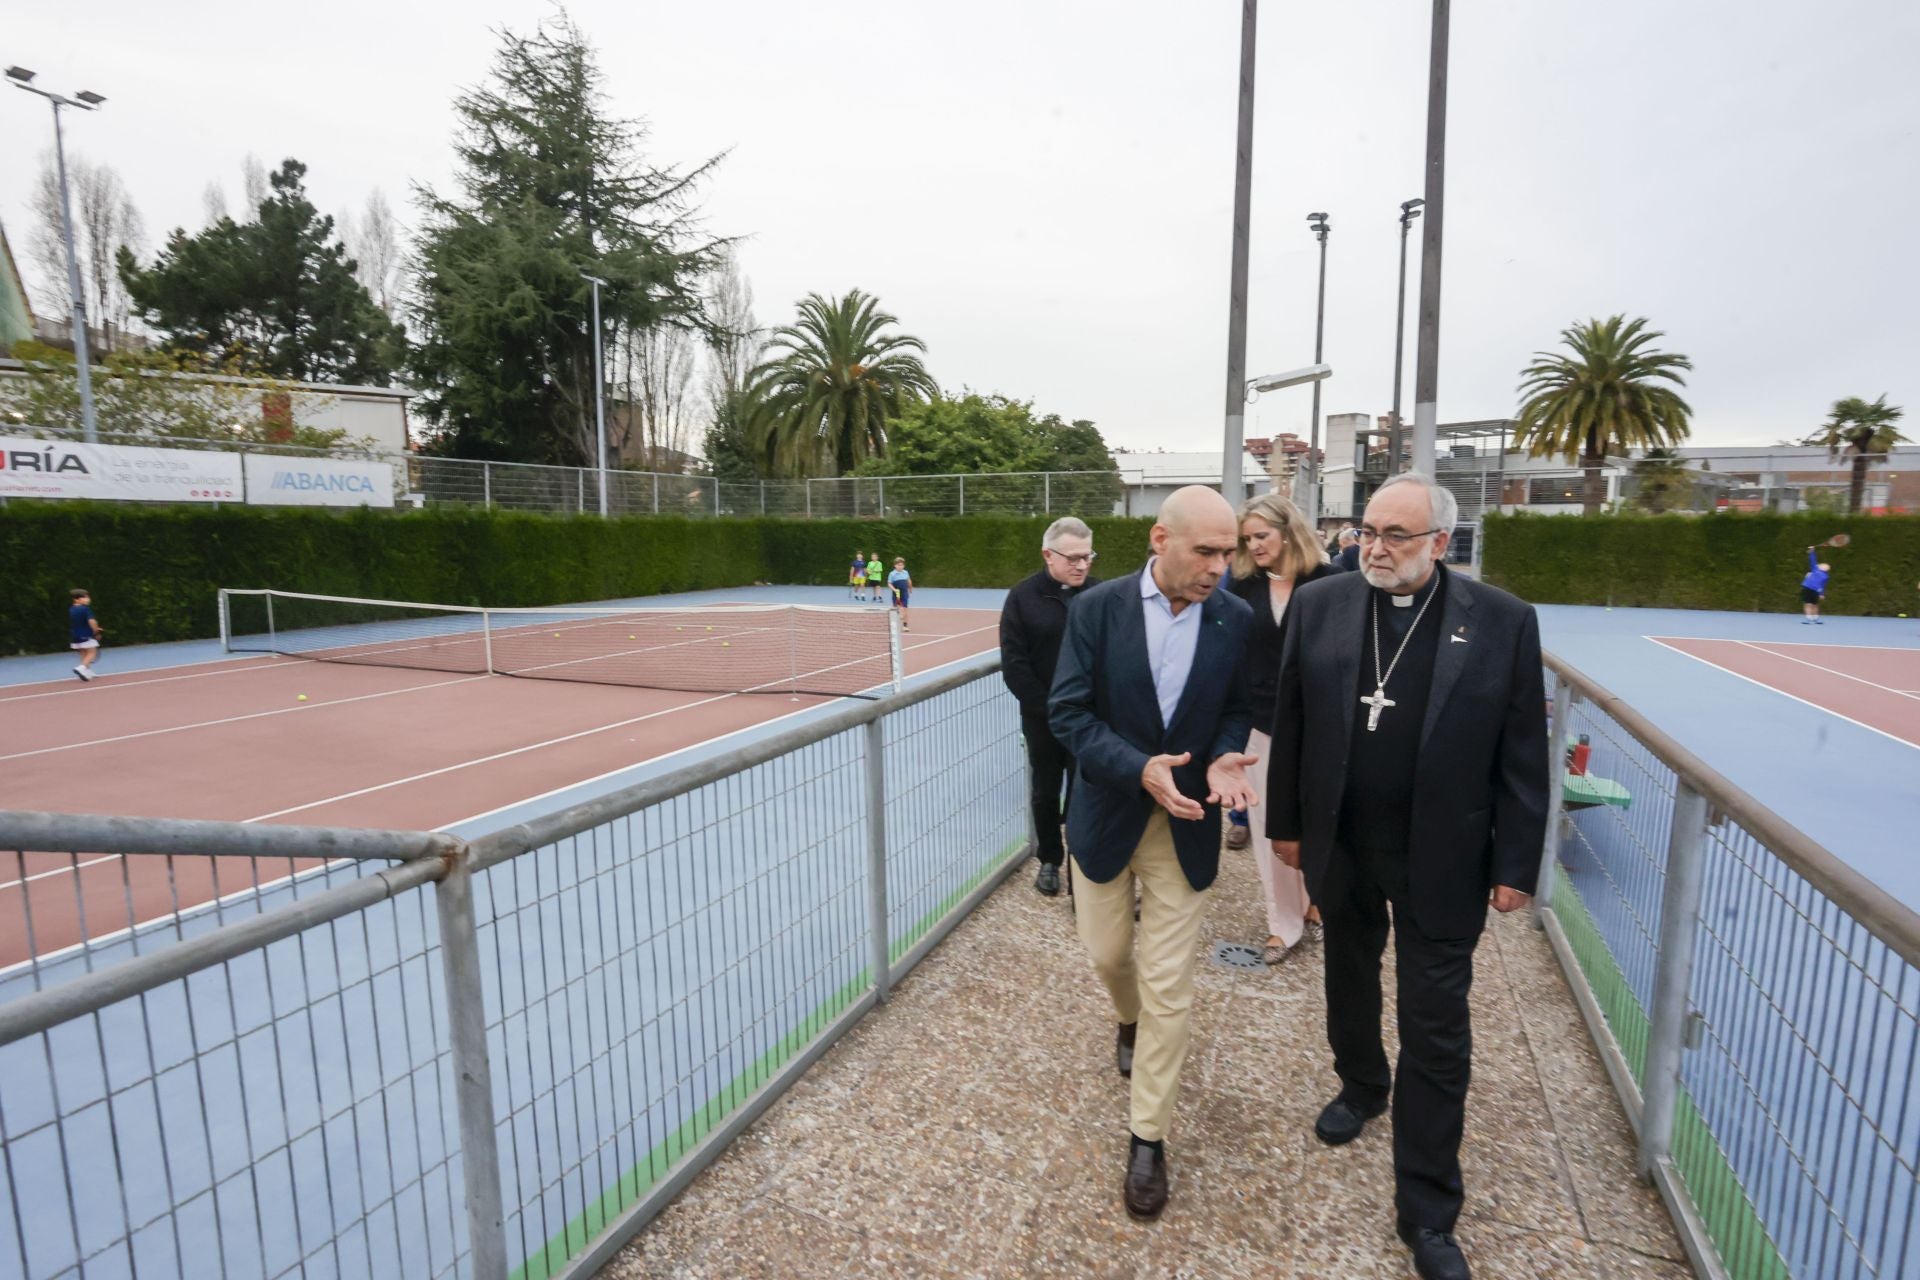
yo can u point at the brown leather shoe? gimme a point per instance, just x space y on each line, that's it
1146 1186
1123 1047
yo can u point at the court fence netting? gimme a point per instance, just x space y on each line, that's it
841 650
410 1054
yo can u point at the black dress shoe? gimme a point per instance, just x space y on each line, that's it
1123 1047
1048 881
1146 1186
1436 1256
1342 1121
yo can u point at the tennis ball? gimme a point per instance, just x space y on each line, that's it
726 644
1903 615
300 698
631 636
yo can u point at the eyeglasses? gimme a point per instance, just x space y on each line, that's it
1084 558
1393 537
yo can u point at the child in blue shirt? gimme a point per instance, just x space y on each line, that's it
83 632
902 583
1813 589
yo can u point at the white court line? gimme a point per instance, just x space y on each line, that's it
1761 648
756 727
249 662
251 715
1782 692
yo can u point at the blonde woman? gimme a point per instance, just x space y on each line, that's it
1279 552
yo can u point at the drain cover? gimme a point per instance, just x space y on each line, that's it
1236 955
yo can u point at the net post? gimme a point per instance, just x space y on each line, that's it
894 649
226 624
879 958
486 638
273 642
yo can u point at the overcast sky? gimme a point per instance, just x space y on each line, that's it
1041 189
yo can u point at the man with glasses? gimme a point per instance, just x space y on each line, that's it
1032 621
1408 772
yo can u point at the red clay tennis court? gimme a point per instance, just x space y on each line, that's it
1876 688
389 745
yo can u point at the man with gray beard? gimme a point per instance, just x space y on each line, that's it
1408 779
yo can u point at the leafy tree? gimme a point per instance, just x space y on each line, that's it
1662 482
1609 393
275 294
975 434
821 405
151 396
1865 430
549 186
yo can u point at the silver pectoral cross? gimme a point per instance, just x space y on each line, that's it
1377 703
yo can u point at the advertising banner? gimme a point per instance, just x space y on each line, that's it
65 469
317 482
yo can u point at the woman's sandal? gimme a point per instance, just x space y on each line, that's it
1273 953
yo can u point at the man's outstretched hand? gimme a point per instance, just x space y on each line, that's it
1227 781
1157 778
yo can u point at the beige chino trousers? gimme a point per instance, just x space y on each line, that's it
1150 979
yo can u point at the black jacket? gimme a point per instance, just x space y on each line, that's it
1032 622
1480 786
1348 559
1106 714
1263 645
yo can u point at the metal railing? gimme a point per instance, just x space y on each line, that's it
1755 1000
321 1072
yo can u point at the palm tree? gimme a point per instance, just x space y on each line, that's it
1608 394
1662 482
822 399
1867 430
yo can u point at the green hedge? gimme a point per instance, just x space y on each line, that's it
155 571
977 551
1740 562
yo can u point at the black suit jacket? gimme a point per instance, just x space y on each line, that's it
1480 785
1033 622
1103 709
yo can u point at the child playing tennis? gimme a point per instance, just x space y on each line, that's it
857 575
876 573
1813 589
902 583
84 632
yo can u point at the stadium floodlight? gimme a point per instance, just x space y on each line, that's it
1291 378
85 100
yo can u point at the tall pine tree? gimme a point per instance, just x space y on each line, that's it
549 187
274 295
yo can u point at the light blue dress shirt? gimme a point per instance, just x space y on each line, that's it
1171 640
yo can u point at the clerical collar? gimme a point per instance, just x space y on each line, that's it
1409 601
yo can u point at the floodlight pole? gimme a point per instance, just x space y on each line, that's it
1318 221
84 366
1426 391
1409 210
599 394
1232 485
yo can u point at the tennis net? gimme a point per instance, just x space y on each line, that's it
843 651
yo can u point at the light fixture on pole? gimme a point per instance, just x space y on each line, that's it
599 393
85 100
1409 210
1318 223
1314 373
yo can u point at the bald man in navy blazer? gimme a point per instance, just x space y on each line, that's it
1149 700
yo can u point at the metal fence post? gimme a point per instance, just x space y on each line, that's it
1046 493
881 958
963 496
486 485
808 485
716 495
1673 975
472 1074
1556 795
656 493
882 489
763 497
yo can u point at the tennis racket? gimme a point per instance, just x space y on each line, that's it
1838 540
